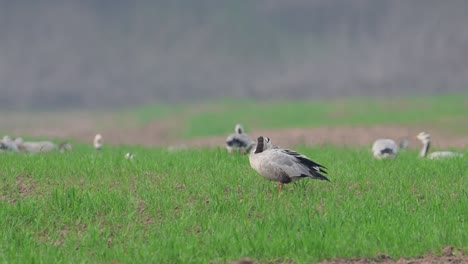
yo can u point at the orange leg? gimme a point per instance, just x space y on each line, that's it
280 187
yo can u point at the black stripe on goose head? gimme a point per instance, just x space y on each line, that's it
239 129
260 145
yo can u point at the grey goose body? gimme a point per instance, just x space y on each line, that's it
384 149
283 165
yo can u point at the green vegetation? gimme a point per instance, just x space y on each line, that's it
203 205
197 206
219 118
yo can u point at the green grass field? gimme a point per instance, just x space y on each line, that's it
197 206
204 205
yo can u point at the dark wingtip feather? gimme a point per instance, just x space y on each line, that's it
321 177
315 175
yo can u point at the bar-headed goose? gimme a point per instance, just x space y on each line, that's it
384 149
425 138
239 141
283 165
98 142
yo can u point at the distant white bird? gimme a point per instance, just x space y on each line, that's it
384 149
239 141
283 165
98 142
425 138
19 145
44 146
129 156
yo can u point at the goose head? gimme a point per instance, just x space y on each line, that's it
263 143
424 137
239 129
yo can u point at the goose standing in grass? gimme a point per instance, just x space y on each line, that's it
98 142
425 138
239 141
384 149
283 165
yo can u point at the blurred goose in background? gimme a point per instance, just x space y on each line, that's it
43 146
9 144
129 156
239 141
98 142
425 138
283 165
384 149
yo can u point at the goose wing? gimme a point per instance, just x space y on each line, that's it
297 165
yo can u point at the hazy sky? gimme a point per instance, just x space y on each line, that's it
73 53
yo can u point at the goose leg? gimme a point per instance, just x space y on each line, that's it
280 187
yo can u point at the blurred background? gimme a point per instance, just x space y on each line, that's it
58 54
160 73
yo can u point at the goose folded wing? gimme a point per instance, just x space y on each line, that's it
293 166
305 161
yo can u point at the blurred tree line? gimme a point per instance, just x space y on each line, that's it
83 53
